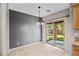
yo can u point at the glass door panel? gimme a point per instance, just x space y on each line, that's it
50 31
59 31
59 34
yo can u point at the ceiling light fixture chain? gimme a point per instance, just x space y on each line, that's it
40 22
39 11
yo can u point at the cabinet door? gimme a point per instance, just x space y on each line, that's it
75 16
75 50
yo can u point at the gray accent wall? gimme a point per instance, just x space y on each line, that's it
23 29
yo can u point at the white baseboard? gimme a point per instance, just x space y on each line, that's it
22 46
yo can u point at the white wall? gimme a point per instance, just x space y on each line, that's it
68 34
0 29
67 24
3 29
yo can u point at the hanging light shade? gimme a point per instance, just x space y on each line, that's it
39 22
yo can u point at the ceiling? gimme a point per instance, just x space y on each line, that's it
32 8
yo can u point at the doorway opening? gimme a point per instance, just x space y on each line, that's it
55 33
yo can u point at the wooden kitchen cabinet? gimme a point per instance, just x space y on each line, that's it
75 50
75 16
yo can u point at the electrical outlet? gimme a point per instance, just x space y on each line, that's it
17 43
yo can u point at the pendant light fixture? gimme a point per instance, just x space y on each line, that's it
39 22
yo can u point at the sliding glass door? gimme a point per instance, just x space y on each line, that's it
55 34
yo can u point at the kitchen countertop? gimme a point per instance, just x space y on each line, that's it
76 43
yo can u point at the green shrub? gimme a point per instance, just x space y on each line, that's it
49 38
59 37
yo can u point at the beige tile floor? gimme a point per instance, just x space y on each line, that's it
39 49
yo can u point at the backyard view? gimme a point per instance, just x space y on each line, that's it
58 29
50 31
55 34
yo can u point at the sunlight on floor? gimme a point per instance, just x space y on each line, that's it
56 43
